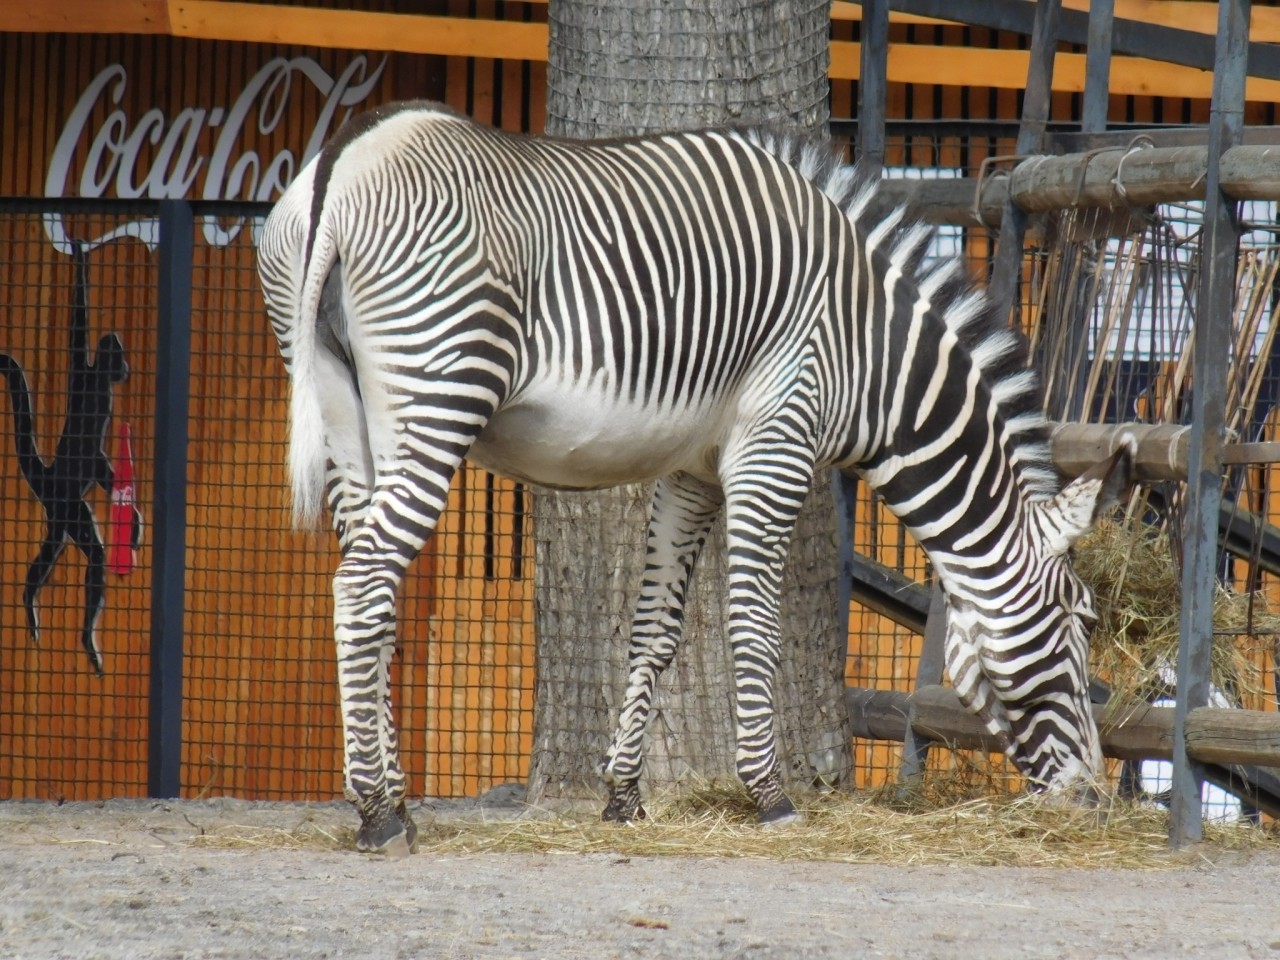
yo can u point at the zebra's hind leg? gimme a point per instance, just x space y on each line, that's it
349 489
680 516
375 780
391 745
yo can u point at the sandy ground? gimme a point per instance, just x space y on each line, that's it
142 879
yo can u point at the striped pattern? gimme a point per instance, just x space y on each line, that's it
720 310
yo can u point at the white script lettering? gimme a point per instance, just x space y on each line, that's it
231 170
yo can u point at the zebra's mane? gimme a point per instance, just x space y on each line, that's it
1001 353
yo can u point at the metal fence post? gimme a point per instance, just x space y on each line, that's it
1097 80
1215 294
1006 268
169 518
872 85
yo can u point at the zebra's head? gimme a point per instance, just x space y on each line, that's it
1018 654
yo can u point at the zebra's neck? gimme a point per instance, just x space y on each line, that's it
944 419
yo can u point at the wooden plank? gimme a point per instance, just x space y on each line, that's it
1196 15
1162 42
86 16
356 30
1004 69
1007 69
1136 732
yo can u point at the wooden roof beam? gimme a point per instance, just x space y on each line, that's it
518 40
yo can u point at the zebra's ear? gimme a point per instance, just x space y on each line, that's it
1074 511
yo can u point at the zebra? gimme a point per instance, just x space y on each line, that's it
722 311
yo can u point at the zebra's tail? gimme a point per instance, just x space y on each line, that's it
306 417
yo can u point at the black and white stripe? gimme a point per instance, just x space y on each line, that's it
718 309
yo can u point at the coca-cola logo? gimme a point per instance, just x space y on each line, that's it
199 152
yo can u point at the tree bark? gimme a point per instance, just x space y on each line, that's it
639 67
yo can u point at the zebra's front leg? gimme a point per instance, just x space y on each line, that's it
680 516
764 496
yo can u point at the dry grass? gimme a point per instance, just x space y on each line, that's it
307 835
714 822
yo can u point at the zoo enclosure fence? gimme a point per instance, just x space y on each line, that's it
220 676
217 644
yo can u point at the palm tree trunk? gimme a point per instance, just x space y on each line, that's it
643 66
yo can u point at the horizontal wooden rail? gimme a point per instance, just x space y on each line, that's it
1116 179
1163 448
1139 732
1138 176
517 40
1196 15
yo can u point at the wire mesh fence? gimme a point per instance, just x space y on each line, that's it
257 681
80 364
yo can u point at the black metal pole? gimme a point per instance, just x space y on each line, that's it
1097 69
1007 266
873 84
929 669
169 511
1215 297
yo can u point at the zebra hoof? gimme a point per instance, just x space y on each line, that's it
410 828
780 814
384 833
623 806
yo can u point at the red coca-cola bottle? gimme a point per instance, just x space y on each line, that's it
122 533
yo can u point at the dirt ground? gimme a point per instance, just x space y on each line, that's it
150 879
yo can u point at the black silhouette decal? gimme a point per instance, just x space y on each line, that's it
79 462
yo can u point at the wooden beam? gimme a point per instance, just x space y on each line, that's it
517 40
85 16
355 30
1135 732
949 201
1162 448
1140 177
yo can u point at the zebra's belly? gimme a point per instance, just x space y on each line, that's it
584 442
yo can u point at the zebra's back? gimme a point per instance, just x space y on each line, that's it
640 298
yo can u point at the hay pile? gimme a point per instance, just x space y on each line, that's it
1137 589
